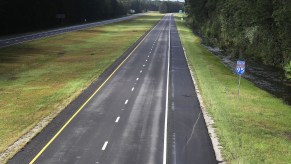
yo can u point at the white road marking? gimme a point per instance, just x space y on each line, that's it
132 89
126 102
143 65
137 79
122 109
146 60
104 146
167 103
148 56
117 119
140 71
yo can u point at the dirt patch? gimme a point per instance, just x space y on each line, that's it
93 31
288 135
61 52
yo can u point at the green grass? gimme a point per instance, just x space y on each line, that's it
255 129
39 77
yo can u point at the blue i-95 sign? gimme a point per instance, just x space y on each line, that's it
240 67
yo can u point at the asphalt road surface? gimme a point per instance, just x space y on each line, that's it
146 112
5 42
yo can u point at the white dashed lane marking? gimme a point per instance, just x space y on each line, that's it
105 145
126 101
132 89
117 119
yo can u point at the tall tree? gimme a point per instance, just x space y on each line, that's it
252 29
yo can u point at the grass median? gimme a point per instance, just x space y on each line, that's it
40 77
255 128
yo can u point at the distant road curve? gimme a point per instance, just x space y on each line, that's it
8 41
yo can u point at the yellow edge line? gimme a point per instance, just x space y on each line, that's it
58 133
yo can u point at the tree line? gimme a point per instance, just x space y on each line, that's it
21 16
257 30
18 16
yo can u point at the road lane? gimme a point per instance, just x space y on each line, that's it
126 121
8 41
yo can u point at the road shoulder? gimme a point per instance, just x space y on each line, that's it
208 120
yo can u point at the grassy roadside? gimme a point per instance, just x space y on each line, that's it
259 130
40 77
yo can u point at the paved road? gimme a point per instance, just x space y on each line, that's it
147 112
5 42
187 130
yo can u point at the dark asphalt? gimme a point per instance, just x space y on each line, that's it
124 122
187 129
8 41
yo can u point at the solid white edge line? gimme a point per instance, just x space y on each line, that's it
105 145
167 100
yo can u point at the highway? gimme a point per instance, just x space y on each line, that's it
145 112
8 41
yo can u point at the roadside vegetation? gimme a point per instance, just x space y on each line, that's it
256 30
40 77
254 128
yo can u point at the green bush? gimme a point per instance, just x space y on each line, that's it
257 30
288 70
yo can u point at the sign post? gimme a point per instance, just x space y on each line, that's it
240 69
